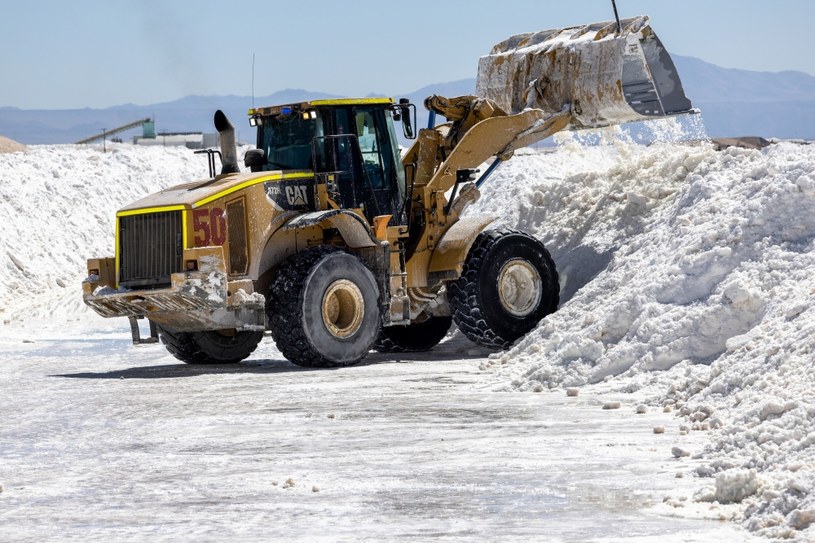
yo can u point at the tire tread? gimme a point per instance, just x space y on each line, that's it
284 313
463 292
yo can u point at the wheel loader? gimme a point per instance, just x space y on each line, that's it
336 242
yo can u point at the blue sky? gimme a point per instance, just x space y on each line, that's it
88 53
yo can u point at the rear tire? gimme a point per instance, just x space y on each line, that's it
323 308
418 337
508 285
210 347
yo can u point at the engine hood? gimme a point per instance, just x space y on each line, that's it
199 193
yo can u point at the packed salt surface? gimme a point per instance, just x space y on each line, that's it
684 275
686 279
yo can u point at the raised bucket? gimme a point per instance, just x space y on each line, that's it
604 75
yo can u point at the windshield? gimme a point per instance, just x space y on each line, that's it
287 141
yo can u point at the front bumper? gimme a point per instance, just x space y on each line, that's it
195 301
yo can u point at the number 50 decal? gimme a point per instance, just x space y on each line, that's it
209 226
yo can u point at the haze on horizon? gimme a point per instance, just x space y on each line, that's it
90 53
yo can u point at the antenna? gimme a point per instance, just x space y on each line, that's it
616 16
253 77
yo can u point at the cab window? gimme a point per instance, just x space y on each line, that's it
286 139
370 147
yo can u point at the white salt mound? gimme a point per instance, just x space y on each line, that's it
688 272
58 205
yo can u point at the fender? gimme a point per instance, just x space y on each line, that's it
451 251
354 229
282 241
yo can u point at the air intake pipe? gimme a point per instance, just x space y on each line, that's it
229 149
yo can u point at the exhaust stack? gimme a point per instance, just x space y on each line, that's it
229 149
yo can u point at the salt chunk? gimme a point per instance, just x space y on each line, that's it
734 485
706 494
636 199
611 405
736 293
806 185
798 485
679 452
642 409
659 429
771 408
796 310
572 392
315 488
801 519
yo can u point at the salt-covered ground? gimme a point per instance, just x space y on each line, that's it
685 289
106 442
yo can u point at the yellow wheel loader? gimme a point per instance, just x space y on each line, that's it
337 244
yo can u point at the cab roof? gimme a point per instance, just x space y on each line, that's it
300 106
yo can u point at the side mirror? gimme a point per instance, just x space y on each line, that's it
403 112
255 160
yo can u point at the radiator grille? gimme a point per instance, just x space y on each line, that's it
236 229
150 249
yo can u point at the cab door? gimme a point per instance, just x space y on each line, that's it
381 163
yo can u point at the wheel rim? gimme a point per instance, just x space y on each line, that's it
343 308
519 287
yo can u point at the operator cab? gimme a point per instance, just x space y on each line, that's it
349 144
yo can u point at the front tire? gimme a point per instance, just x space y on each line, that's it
323 308
413 338
210 347
509 283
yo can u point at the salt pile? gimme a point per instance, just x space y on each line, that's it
58 205
686 275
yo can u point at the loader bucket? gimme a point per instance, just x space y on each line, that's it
605 76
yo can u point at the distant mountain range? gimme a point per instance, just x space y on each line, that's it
733 103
